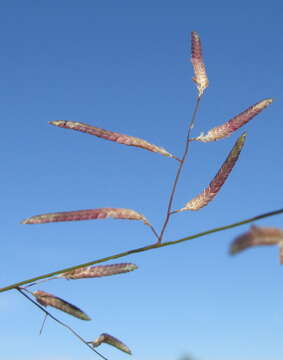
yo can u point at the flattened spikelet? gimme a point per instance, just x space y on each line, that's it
110 340
112 136
257 236
200 77
225 130
47 299
90 214
215 185
98 271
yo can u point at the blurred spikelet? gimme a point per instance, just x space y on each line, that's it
215 185
110 340
90 214
200 77
234 124
258 236
112 136
47 299
98 271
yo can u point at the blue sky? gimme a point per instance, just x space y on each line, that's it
124 66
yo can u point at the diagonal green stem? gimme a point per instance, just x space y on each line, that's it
145 248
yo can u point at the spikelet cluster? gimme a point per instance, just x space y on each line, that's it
110 340
215 185
225 130
47 299
112 136
98 271
200 77
258 236
90 214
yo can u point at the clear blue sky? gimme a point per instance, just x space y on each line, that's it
123 66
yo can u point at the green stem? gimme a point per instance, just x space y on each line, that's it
142 249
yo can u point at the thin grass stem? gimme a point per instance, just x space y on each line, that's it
143 249
179 170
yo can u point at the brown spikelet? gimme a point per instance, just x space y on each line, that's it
110 340
90 214
258 236
200 77
98 271
235 123
215 185
112 136
47 299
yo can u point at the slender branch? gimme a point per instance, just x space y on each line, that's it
179 170
42 281
47 313
154 231
43 323
142 249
